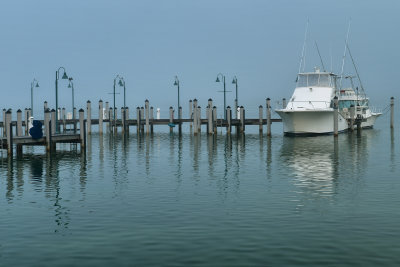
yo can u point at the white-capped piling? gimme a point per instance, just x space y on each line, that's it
19 122
147 116
47 126
89 117
171 119
335 116
191 112
53 121
352 117
101 116
392 112
180 121
260 118
242 120
151 119
8 128
268 106
228 119
138 120
82 128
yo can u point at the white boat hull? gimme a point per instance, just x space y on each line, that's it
310 122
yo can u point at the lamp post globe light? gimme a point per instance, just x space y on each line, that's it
218 80
176 83
34 83
64 77
235 82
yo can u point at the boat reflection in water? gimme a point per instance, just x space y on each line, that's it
323 166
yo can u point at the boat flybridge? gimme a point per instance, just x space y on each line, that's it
310 109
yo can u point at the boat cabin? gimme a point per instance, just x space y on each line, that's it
316 79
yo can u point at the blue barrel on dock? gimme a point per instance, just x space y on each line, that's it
36 131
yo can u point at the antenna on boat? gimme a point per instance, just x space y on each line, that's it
331 56
355 67
320 58
344 54
303 55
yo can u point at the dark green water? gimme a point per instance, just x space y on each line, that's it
204 201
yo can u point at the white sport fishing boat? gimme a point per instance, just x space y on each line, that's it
310 109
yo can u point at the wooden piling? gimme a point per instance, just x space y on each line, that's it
392 112
210 120
74 118
45 106
228 119
107 110
268 106
63 120
335 116
214 115
147 116
89 117
53 121
260 118
82 127
199 119
142 119
235 108
191 113
151 119
19 122
47 125
4 122
9 133
26 115
180 122
171 119
195 128
126 119
352 117
110 119
138 120
242 120
101 116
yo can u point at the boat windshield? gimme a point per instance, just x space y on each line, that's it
316 79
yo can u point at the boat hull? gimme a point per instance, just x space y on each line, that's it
310 122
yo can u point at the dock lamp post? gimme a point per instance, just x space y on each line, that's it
218 80
176 83
71 85
34 83
235 82
121 82
64 77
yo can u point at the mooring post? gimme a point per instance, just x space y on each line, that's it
214 115
142 119
127 119
89 116
74 118
53 121
260 118
392 112
352 117
190 112
138 120
199 119
151 119
171 119
4 123
63 120
45 106
47 126
335 116
26 115
268 116
123 118
82 127
101 116
209 113
242 120
19 122
107 108
235 108
195 128
9 133
283 102
180 120
228 120
147 116
110 118
115 119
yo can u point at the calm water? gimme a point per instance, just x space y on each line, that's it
239 201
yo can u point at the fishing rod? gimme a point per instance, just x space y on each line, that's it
355 67
344 54
323 67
